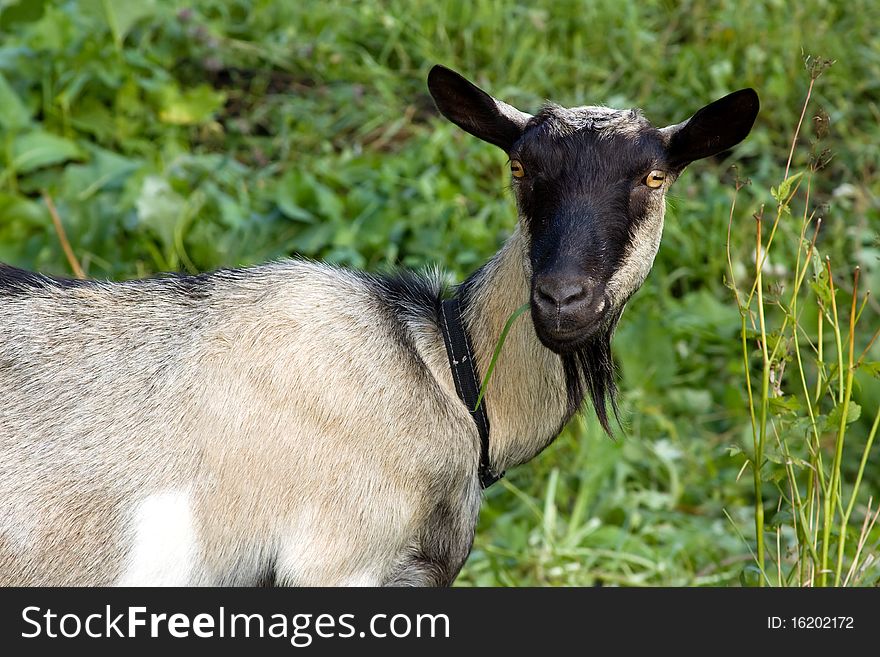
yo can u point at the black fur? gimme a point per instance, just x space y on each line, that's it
17 282
472 109
269 577
407 296
582 198
591 371
715 128
408 293
444 542
195 287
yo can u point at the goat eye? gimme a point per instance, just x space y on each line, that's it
655 179
516 168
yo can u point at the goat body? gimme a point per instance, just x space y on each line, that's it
296 423
191 432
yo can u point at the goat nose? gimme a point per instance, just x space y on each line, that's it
560 293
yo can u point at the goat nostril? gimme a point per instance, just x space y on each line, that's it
572 293
560 294
545 295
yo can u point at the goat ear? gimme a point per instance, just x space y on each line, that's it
475 111
715 128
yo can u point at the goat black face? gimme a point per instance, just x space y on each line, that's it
590 183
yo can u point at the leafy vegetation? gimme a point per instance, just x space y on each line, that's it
192 135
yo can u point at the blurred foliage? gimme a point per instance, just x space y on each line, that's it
192 135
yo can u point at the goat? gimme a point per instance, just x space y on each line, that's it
296 423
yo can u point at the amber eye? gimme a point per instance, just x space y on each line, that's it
655 179
516 168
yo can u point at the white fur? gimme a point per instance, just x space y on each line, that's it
165 543
640 258
17 529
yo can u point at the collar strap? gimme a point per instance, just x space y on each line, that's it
467 381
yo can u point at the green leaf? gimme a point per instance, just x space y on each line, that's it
119 17
773 338
13 114
190 107
105 169
38 149
822 290
788 404
854 411
507 326
294 193
329 204
15 209
159 208
92 116
781 193
122 16
782 518
801 426
872 367
290 209
693 400
21 12
750 576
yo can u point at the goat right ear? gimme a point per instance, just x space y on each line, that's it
715 128
475 111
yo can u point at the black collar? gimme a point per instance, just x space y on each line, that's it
467 381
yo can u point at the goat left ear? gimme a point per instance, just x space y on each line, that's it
715 128
475 111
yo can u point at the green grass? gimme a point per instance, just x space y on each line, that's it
790 422
176 135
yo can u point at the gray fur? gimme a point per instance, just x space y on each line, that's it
602 121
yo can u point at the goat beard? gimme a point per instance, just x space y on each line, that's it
590 370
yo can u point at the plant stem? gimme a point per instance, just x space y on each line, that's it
798 129
62 237
841 434
865 452
814 446
836 326
765 392
820 355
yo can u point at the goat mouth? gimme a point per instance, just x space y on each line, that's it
567 340
565 345
565 333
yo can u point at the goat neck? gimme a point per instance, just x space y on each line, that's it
526 397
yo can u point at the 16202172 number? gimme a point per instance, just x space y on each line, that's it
810 623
